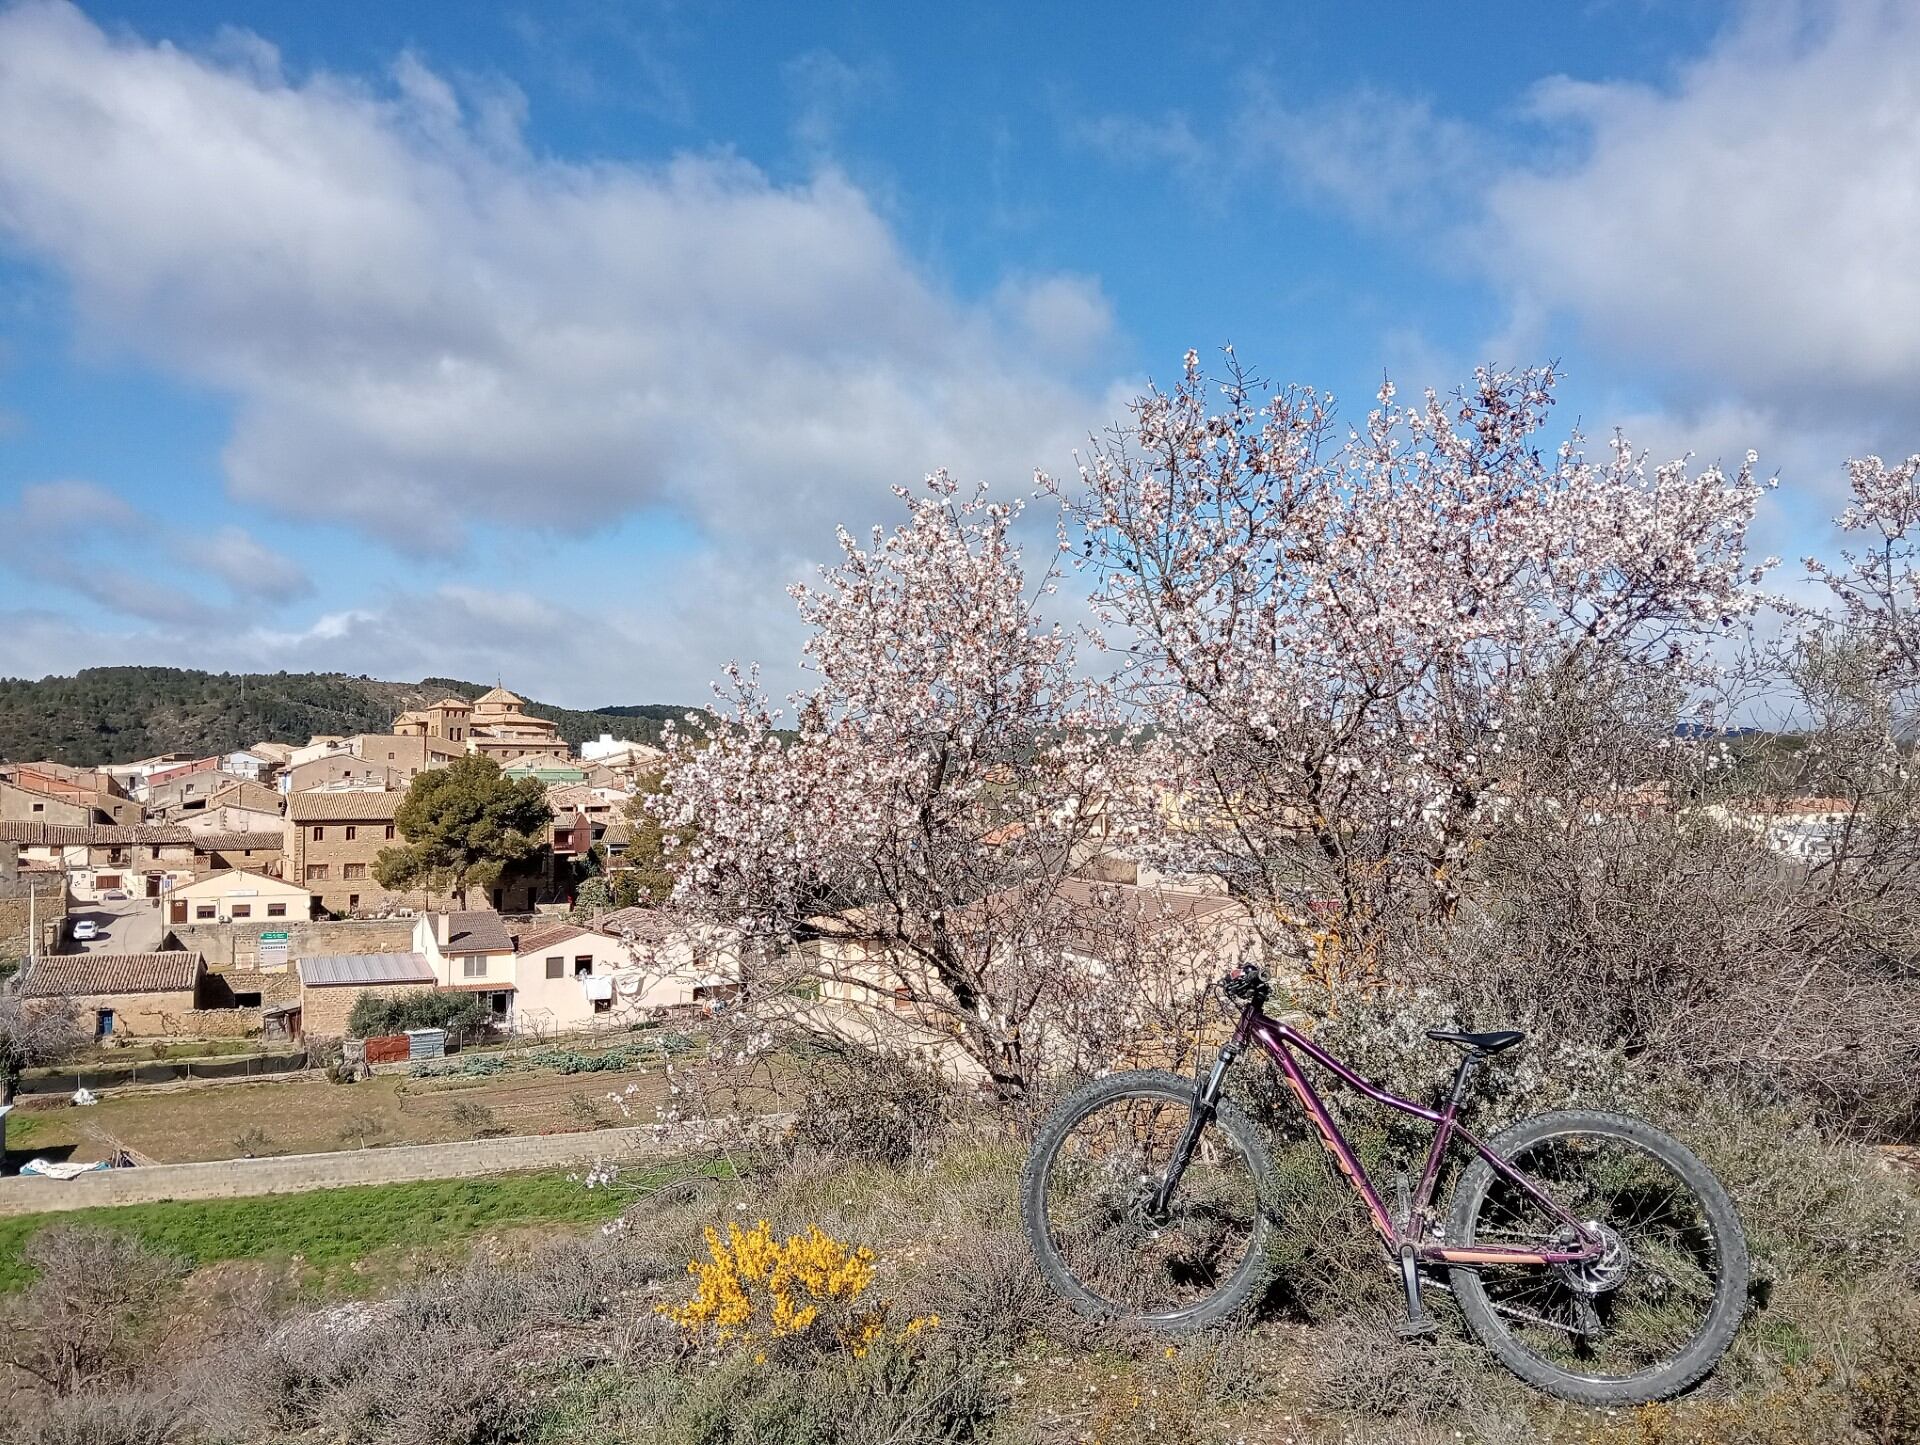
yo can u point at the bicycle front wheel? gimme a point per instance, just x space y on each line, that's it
1087 1198
1650 1316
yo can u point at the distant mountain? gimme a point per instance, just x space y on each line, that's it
118 714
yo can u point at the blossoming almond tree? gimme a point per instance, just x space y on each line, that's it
1851 674
1329 634
1877 591
916 820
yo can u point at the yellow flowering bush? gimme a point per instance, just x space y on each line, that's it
754 1289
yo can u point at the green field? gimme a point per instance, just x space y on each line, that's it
330 1230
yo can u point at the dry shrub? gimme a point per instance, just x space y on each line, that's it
444 1363
105 1418
873 1107
1674 938
936 1394
1325 1259
984 1285
1887 1385
1363 1369
93 1314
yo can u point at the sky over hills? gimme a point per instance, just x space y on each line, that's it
552 341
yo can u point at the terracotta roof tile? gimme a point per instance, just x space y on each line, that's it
75 835
324 807
477 930
69 975
545 935
239 842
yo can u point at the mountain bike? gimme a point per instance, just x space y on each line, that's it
1594 1255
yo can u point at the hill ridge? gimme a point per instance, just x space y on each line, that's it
117 714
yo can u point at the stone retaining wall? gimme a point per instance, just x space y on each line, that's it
296 1173
219 1023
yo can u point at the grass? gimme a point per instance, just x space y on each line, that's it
331 1230
172 1050
306 1114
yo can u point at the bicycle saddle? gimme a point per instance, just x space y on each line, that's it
1487 1043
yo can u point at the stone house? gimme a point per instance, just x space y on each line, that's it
340 769
330 984
493 725
143 860
57 793
449 719
249 763
30 805
231 818
32 895
258 851
125 995
332 839
408 755
186 791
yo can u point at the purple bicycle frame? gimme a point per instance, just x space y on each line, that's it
1280 1040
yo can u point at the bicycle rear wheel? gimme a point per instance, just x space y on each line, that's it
1086 1197
1655 1312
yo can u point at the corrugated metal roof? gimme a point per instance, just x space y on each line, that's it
71 975
340 970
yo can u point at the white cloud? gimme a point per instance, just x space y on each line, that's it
247 566
1751 229
421 324
1387 161
1065 317
827 90
558 649
83 539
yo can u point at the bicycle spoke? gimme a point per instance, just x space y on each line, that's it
1629 1310
1097 1203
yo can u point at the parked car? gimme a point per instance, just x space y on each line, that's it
114 895
85 930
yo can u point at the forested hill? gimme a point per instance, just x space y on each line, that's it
118 714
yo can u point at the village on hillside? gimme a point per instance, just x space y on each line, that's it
208 904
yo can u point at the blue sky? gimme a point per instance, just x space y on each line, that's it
551 341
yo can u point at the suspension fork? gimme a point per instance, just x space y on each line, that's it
1206 1096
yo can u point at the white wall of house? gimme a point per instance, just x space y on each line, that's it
631 983
230 819
453 970
236 895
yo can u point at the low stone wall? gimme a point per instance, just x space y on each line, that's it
111 1073
351 935
218 1023
296 1173
236 946
50 906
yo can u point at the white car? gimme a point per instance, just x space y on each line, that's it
114 895
85 930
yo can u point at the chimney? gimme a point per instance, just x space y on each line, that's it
440 929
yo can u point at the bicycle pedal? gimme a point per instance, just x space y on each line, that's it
1417 1329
